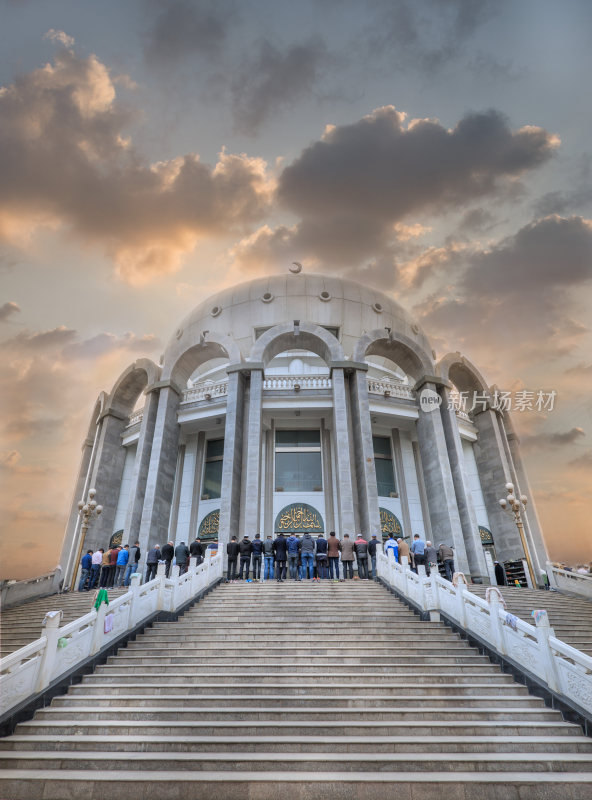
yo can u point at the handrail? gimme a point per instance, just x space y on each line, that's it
14 592
32 668
565 670
564 580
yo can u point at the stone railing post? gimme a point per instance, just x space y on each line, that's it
405 570
99 631
134 588
543 632
497 627
51 631
160 574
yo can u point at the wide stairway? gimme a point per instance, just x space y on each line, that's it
570 616
297 690
22 624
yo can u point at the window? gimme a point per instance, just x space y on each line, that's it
298 465
383 462
212 482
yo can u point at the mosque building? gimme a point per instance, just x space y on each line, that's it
303 403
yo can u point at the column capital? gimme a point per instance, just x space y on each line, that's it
245 367
164 385
349 366
111 412
439 383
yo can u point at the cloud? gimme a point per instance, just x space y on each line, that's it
67 163
579 369
182 28
582 462
274 79
60 37
539 441
425 35
8 309
520 292
360 187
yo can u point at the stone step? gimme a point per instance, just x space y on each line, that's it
437 698
421 710
408 729
293 785
301 762
105 681
280 662
297 744
347 650
317 689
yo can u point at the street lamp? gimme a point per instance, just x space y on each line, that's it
86 510
515 505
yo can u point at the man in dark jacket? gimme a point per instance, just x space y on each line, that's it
245 548
168 551
347 556
372 547
280 550
257 545
361 551
196 550
152 559
321 553
500 574
182 557
232 553
293 546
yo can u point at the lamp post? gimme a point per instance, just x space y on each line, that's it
515 506
86 510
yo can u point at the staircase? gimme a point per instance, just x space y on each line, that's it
570 616
297 690
22 624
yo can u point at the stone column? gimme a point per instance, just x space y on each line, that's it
106 477
342 453
200 453
253 466
327 478
269 458
73 526
442 504
464 499
364 455
494 473
532 526
233 449
140 475
154 525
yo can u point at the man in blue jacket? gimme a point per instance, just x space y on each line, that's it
121 564
293 546
257 549
86 565
418 549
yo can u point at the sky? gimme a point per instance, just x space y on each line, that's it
155 151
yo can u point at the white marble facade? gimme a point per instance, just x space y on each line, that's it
298 379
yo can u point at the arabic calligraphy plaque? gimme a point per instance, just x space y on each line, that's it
208 530
389 524
299 518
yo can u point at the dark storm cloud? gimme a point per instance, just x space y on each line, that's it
8 309
550 253
187 28
381 166
357 188
275 79
476 220
582 462
66 162
519 294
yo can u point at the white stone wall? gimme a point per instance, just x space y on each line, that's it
475 484
187 493
124 490
412 483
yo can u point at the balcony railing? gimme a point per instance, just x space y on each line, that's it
297 382
293 383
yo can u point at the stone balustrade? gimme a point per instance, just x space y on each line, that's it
15 592
566 581
297 382
389 388
59 650
565 670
